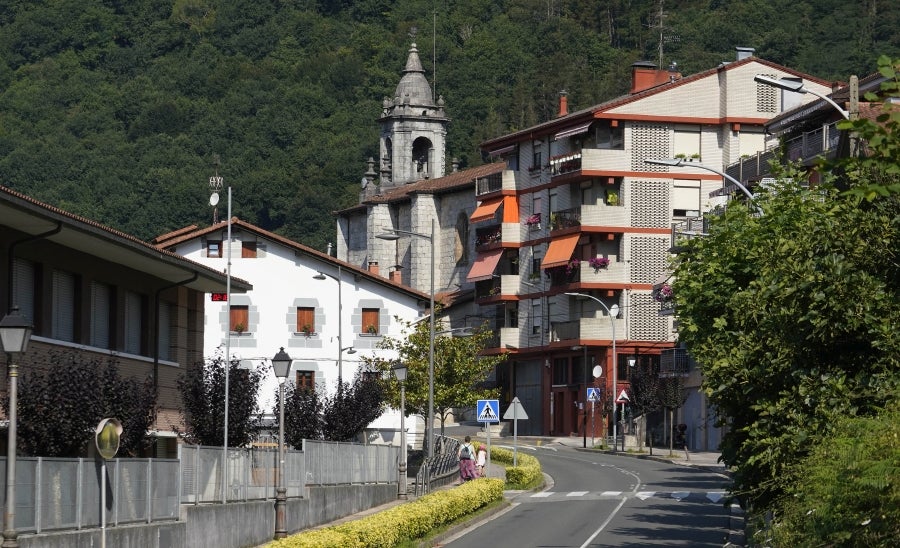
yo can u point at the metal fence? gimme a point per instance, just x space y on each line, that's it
444 463
64 493
251 474
55 494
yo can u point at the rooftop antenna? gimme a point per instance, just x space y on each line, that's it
215 186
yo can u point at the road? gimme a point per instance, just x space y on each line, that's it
599 499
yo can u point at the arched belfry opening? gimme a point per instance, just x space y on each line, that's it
413 129
422 156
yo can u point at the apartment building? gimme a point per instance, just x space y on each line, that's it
578 210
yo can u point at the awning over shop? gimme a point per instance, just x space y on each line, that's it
486 210
577 130
560 251
485 265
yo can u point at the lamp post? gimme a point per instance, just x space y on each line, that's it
394 234
798 87
340 360
281 363
400 374
612 312
15 333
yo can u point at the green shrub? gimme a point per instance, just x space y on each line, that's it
526 472
404 522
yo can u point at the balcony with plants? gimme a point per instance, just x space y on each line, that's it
565 218
603 270
566 274
488 237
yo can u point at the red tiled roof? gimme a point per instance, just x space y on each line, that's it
453 181
165 241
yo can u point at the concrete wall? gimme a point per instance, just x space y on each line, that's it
234 525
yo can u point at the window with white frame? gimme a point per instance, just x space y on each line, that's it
686 198
370 321
686 142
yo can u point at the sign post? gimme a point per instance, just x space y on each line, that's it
622 399
593 394
106 437
488 412
515 411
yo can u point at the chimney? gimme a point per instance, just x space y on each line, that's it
373 267
396 277
563 104
646 75
744 53
455 164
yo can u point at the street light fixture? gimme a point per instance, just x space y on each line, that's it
394 234
281 363
400 374
15 333
613 313
798 87
340 361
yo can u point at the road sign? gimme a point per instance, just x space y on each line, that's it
593 394
515 411
488 411
623 397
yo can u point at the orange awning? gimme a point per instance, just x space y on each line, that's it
560 251
486 210
484 266
510 209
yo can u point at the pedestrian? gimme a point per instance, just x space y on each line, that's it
466 456
480 460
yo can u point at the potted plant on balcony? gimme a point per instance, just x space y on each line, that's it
239 328
306 329
371 329
598 262
534 221
612 198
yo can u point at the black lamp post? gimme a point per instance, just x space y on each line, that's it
15 333
281 363
400 374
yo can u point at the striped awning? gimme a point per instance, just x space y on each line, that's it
577 130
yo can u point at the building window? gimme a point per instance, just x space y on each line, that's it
306 380
248 250
536 160
63 295
560 371
686 143
370 323
23 288
536 316
214 249
306 320
239 318
134 322
686 198
166 328
101 298
370 376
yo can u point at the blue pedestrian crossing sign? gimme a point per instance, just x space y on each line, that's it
593 394
488 410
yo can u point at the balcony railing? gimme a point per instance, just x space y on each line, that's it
812 144
565 163
487 236
675 362
491 183
566 218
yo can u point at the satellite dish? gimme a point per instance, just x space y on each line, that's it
214 198
598 371
614 311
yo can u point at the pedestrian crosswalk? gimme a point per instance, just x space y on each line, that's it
680 496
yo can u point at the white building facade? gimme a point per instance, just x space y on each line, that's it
325 313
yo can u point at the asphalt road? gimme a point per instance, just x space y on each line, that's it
607 500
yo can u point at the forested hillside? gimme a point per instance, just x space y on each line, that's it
117 109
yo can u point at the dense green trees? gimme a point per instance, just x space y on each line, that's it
116 110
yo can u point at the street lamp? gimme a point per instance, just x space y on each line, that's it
798 87
400 374
15 333
612 312
340 361
394 234
281 363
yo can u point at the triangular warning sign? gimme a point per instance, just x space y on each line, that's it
623 397
487 414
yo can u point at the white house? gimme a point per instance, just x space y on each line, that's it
325 313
